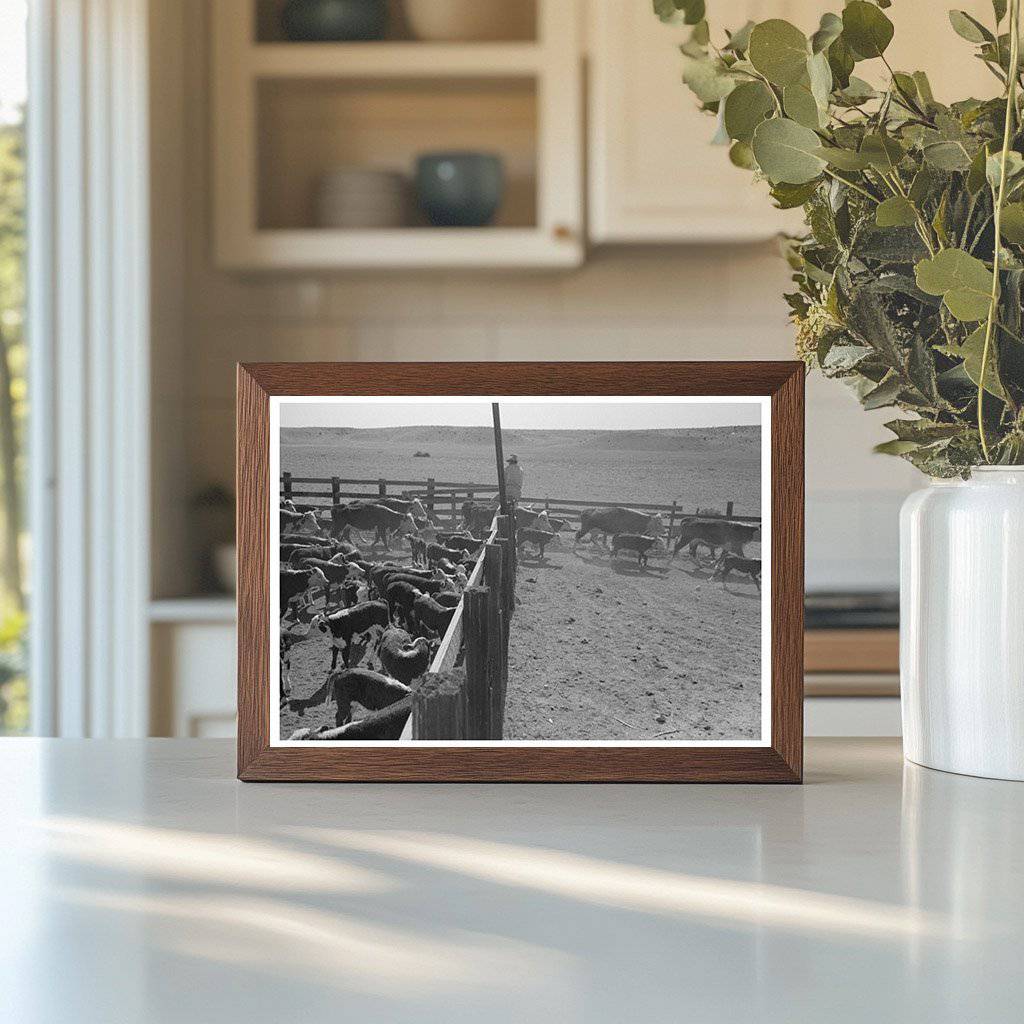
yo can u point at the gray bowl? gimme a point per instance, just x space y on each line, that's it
334 21
460 189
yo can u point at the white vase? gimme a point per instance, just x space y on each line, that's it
962 624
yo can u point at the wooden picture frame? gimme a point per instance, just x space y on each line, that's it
779 760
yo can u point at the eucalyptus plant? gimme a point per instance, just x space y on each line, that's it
910 277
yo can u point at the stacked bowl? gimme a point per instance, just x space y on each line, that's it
362 197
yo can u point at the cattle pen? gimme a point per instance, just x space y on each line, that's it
464 692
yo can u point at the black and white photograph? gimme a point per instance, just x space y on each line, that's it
604 587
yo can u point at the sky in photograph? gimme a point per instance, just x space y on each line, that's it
527 415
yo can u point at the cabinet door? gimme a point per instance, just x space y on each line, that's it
654 177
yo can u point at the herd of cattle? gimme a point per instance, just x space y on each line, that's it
383 619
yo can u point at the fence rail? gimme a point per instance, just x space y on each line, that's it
449 495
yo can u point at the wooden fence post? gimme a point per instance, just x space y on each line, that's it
671 520
728 510
439 706
286 479
335 490
474 637
497 638
430 494
382 487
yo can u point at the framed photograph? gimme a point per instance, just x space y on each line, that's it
578 572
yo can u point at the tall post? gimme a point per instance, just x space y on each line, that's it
430 494
499 456
287 481
671 520
728 509
382 487
335 491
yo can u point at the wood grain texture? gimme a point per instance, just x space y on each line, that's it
780 762
852 650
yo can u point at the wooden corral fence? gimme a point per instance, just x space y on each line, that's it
440 496
462 694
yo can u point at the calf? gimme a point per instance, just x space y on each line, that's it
400 596
538 538
289 639
736 563
418 547
638 542
294 583
431 617
343 626
448 598
435 552
370 689
334 574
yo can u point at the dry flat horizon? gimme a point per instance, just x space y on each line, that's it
599 648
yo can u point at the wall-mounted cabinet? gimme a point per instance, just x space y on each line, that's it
286 115
653 176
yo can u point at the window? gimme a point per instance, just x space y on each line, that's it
14 693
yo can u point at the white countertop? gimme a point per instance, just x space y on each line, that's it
140 882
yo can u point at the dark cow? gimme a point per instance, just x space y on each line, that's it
609 521
400 596
369 515
386 724
726 534
343 626
294 584
431 618
540 539
437 552
459 542
735 563
370 689
636 542
448 598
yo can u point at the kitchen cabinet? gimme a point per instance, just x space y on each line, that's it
286 114
653 175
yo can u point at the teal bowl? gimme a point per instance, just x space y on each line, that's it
460 189
334 21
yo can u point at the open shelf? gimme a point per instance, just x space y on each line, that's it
285 114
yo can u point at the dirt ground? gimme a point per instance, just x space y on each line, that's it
602 650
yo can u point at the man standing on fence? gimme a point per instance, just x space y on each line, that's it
513 480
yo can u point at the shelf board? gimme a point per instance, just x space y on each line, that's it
393 60
402 247
206 608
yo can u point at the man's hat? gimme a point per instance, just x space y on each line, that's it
512 458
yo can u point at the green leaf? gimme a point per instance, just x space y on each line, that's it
885 394
922 431
999 9
819 74
1012 223
707 78
741 155
947 156
969 28
787 151
844 159
866 29
993 167
883 152
922 185
745 108
829 30
739 41
857 91
976 173
895 447
924 88
788 196
963 281
779 51
801 106
895 212
971 352
841 63
690 12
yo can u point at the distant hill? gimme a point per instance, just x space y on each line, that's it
609 440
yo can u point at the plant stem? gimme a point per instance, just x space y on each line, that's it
1011 108
853 185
